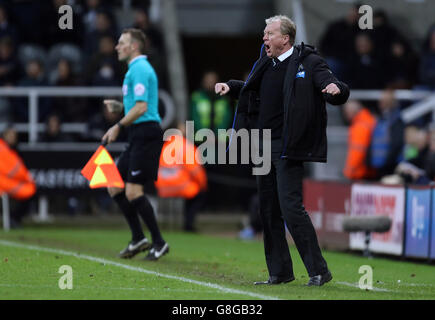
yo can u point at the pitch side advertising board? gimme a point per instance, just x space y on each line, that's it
327 203
432 241
418 211
377 200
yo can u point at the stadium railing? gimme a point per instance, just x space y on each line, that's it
33 93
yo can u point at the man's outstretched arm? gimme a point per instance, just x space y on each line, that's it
334 91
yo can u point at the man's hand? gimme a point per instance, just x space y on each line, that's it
111 135
331 89
113 105
221 88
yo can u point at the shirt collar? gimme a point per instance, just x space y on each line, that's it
285 55
137 58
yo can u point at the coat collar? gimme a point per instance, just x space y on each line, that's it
291 71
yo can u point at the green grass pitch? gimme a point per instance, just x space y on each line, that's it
197 267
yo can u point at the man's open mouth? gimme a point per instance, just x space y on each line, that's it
267 46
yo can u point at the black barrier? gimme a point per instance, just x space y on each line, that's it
56 168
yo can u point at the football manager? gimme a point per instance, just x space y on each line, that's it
286 93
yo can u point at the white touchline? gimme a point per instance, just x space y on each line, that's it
128 267
151 289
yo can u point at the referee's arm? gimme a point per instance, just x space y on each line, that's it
139 109
112 134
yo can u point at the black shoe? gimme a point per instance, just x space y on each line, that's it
157 252
134 248
275 280
320 279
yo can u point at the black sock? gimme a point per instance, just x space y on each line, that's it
146 211
130 214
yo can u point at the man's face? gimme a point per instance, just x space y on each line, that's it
124 47
351 108
387 101
274 41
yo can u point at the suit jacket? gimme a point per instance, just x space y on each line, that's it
305 118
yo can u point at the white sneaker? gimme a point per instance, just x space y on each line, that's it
156 252
134 248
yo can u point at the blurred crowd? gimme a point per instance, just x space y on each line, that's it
34 51
383 148
381 145
377 58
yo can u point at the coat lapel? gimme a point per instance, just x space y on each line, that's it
257 71
290 74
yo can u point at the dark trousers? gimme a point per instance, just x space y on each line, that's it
280 193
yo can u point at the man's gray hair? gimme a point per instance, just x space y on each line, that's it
288 27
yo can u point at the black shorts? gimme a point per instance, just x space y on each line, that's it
139 162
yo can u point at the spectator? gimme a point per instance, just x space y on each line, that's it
411 170
365 67
336 44
386 145
15 178
208 110
182 179
73 108
10 136
52 134
362 123
104 25
104 68
53 131
63 76
158 60
142 22
9 66
90 16
427 66
154 48
402 65
35 77
383 34
416 146
6 28
100 123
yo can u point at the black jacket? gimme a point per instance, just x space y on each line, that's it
304 130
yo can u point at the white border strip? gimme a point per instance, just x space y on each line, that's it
131 268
